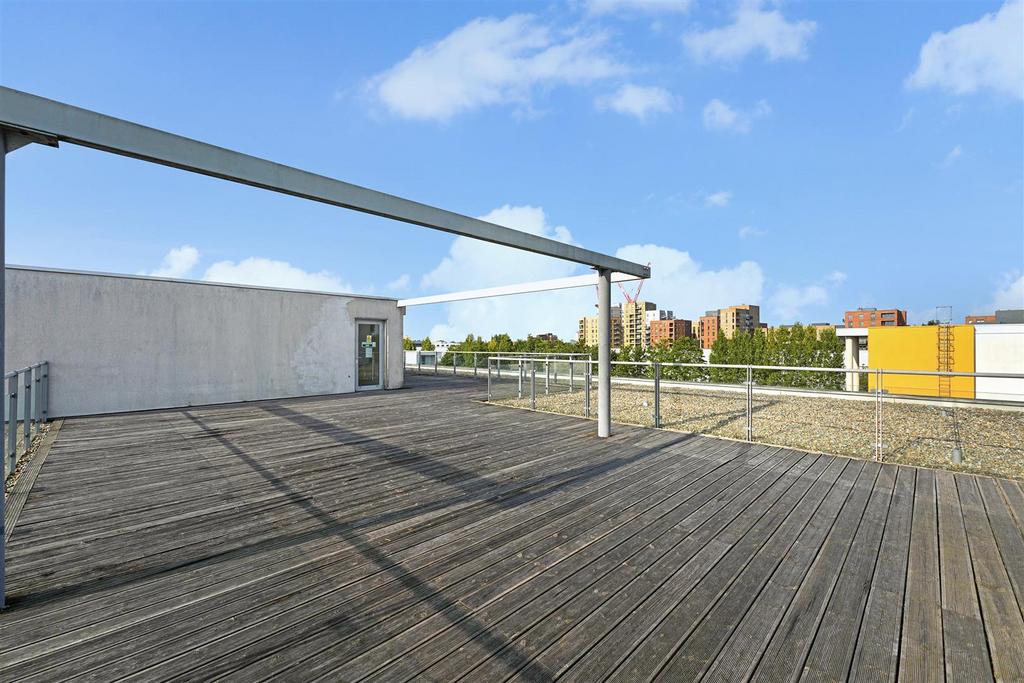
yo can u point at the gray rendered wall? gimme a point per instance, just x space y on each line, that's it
119 343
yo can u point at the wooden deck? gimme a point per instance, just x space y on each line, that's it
419 534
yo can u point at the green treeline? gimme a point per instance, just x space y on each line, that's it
790 346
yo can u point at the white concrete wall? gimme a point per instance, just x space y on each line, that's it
999 348
118 343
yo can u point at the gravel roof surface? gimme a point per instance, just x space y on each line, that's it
991 440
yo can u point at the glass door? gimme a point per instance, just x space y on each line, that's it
369 365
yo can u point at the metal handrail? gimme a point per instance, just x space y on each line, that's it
878 393
886 371
33 396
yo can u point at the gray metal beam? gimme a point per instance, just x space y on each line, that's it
24 111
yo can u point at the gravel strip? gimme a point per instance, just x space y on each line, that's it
992 441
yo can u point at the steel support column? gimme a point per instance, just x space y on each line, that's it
604 352
3 313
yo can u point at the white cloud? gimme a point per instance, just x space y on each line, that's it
638 100
750 231
983 55
719 199
951 158
265 272
1009 295
718 115
836 277
177 262
488 62
472 264
599 7
753 29
679 282
682 285
787 302
400 283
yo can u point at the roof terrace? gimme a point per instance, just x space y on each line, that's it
423 534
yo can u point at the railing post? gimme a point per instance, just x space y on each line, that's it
586 392
435 361
750 403
547 376
419 362
475 362
455 363
520 380
45 395
878 414
571 373
657 395
27 409
488 379
533 385
37 379
12 408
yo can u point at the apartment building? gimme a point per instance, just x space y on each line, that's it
742 318
875 317
669 330
707 329
652 317
588 328
634 322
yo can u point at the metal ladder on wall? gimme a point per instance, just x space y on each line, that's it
945 350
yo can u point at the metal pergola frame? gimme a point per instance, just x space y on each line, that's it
26 118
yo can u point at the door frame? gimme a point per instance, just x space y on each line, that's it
382 353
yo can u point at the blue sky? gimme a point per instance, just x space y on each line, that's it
809 157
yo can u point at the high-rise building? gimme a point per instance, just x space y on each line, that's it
707 331
875 317
588 328
669 330
742 318
634 322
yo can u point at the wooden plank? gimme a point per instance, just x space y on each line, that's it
1009 537
753 634
921 653
877 646
699 626
633 589
493 602
626 623
524 631
963 633
1004 627
821 627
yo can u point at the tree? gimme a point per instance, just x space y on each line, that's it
408 344
684 350
427 345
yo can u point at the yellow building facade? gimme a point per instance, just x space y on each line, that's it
916 348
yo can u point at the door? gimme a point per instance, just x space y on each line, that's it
369 355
